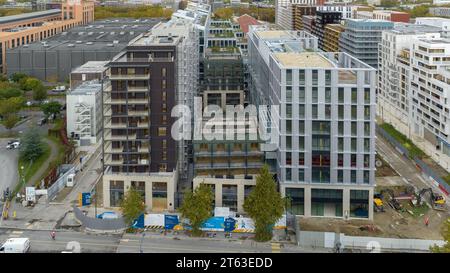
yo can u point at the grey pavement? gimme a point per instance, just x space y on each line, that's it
8 166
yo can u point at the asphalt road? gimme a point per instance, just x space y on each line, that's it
42 242
152 243
31 120
8 167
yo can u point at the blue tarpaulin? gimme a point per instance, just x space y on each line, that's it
170 221
139 222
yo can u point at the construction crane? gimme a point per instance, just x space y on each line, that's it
436 200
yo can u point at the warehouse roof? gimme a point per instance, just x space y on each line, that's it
98 35
30 15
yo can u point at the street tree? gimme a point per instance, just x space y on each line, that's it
40 93
29 83
16 77
9 92
31 147
50 108
264 205
197 207
446 233
11 105
10 120
132 206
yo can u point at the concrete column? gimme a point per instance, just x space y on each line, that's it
371 204
148 195
223 100
218 195
346 203
307 204
240 197
171 195
106 197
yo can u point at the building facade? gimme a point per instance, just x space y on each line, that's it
361 38
322 20
84 113
157 71
331 37
326 123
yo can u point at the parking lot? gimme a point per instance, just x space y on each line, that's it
8 166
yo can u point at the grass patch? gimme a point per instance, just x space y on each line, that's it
447 179
58 160
420 210
413 150
30 169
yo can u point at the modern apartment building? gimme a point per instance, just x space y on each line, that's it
331 37
157 71
394 74
361 38
308 22
439 11
322 20
22 29
298 11
92 70
419 106
325 123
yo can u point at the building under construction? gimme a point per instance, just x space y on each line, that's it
53 59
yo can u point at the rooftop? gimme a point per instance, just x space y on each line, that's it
87 88
303 59
246 20
91 67
274 34
98 35
30 15
405 28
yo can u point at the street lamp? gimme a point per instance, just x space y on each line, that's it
140 245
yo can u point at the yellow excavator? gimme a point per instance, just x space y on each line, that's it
378 202
436 200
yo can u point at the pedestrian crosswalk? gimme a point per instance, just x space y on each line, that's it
276 248
16 233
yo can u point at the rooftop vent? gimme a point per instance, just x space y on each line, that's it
110 45
122 33
79 42
115 41
70 45
89 43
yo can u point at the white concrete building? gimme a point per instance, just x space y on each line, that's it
441 2
413 87
442 23
326 122
84 113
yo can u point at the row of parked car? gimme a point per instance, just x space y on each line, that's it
13 144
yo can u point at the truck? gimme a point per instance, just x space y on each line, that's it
16 245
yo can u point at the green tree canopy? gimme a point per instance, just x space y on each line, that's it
264 205
10 120
197 207
11 105
16 77
28 84
132 206
9 92
40 93
50 108
31 146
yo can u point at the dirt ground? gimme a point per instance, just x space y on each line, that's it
408 223
385 169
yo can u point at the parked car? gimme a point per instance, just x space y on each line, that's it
42 121
13 145
60 88
16 245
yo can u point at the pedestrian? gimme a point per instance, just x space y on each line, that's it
427 220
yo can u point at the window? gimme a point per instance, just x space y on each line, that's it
164 155
288 174
341 94
163 71
340 176
301 77
288 94
301 94
288 110
314 111
354 95
164 144
315 94
289 77
301 127
162 131
354 112
288 142
366 95
327 94
288 158
315 77
297 200
301 143
328 77
301 111
163 167
163 84
116 192
289 126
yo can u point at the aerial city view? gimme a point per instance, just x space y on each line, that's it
224 126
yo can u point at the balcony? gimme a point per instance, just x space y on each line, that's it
129 76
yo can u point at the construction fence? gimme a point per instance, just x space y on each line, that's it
316 239
426 170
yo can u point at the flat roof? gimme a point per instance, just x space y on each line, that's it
91 67
303 59
29 15
87 88
406 28
273 34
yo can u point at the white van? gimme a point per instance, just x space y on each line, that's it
15 245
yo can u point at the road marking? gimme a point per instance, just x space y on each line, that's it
17 232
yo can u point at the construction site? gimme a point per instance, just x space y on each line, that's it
401 211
